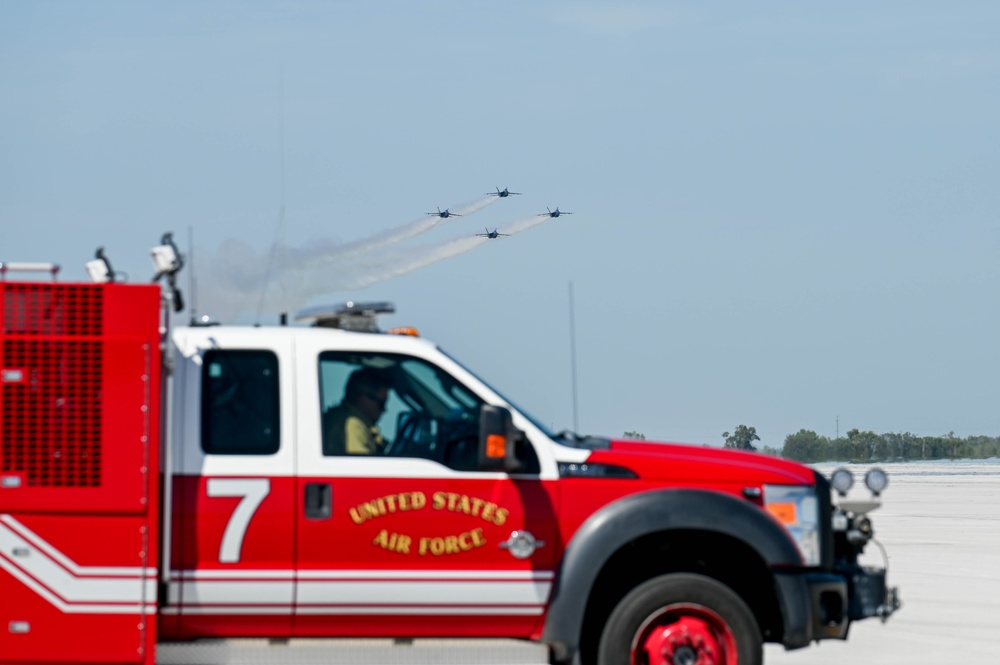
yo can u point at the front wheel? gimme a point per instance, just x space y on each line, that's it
681 619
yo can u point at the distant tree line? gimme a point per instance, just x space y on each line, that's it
858 446
808 446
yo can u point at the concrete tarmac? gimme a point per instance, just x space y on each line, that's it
940 525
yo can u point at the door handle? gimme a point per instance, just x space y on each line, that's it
318 501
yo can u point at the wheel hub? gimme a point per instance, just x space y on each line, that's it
684 636
685 655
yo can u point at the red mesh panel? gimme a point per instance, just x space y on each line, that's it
52 309
50 423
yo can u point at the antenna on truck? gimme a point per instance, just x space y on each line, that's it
279 231
193 286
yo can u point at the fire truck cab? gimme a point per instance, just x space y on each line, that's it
270 521
164 483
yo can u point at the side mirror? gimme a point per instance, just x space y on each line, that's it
497 440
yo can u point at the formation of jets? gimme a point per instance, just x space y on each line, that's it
443 214
503 194
492 234
500 193
553 213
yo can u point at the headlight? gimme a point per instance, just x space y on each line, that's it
797 509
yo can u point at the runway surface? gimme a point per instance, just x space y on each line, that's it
940 525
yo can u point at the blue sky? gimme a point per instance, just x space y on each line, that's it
784 214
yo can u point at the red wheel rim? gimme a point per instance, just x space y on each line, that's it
684 634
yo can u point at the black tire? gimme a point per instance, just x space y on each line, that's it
661 601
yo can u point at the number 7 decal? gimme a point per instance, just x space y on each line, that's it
252 492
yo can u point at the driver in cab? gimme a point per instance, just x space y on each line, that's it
351 427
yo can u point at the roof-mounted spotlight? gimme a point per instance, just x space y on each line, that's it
167 261
166 258
100 269
876 480
842 480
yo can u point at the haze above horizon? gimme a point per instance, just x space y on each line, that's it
785 214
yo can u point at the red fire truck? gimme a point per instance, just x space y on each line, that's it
162 484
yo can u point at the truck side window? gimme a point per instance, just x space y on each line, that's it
239 403
427 414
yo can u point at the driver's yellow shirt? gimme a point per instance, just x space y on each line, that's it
348 433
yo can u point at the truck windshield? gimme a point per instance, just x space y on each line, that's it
534 421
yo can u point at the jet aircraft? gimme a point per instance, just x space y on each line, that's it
553 213
503 194
443 214
492 234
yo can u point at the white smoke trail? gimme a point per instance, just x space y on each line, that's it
390 268
233 281
325 251
401 263
526 223
477 205
238 273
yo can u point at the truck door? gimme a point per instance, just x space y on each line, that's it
412 540
232 548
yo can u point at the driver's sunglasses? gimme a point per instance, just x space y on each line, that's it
376 398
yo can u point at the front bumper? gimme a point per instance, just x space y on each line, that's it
821 606
869 596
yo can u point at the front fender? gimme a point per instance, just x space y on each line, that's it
637 515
